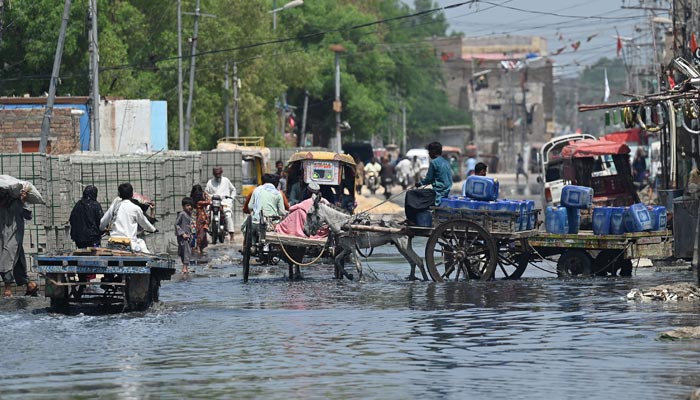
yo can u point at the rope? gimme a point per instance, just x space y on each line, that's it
323 250
382 202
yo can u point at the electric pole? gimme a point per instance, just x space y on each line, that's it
236 82
193 56
227 116
94 76
46 122
180 121
403 124
303 118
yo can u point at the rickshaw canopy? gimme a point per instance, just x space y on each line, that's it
592 148
321 156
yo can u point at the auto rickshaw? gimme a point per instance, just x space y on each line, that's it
254 157
454 156
334 172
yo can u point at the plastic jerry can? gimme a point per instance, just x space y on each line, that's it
574 217
573 196
601 220
481 188
658 218
639 218
556 220
617 226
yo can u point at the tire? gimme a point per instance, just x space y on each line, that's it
214 229
144 303
575 263
222 234
59 298
461 248
247 248
625 267
512 262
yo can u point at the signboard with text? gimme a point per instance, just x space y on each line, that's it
322 172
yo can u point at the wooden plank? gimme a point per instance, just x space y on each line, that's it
290 240
374 228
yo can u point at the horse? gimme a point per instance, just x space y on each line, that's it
350 242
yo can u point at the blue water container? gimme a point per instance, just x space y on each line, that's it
658 218
617 226
573 196
601 220
574 217
531 220
424 218
556 220
639 217
481 188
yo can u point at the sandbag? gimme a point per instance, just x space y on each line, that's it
11 186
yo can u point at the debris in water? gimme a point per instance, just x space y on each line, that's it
674 292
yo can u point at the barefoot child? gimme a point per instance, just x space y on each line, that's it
183 230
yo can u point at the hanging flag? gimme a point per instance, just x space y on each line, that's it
588 39
693 43
619 45
607 88
576 45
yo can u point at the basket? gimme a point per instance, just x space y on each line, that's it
492 221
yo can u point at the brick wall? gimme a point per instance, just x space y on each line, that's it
25 124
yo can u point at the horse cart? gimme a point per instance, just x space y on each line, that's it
103 277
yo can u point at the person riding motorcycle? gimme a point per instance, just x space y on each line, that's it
221 186
404 172
372 170
124 218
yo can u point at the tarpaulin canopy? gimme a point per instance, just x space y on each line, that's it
593 148
629 135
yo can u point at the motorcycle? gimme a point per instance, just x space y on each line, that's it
372 182
217 219
403 178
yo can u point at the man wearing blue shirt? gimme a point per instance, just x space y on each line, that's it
439 176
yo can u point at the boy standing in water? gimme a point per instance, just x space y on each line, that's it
183 230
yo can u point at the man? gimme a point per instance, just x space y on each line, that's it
520 169
85 220
387 176
439 176
372 170
13 263
124 218
221 186
404 171
479 170
266 200
415 167
282 185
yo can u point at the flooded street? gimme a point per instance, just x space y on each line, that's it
215 337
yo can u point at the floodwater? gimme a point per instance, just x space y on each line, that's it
215 337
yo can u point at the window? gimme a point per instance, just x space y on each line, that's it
32 146
494 107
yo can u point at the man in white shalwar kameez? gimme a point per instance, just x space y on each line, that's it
222 186
124 218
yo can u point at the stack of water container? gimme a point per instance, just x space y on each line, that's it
567 218
635 218
482 195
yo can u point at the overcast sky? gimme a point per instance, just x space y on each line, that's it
575 21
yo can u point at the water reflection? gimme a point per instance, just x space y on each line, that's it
215 337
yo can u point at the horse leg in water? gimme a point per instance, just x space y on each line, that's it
405 246
339 261
296 254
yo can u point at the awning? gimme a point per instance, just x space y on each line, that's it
630 135
593 148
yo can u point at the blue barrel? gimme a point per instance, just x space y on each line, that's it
573 196
531 220
574 217
639 218
556 220
617 226
481 188
658 218
601 220
424 218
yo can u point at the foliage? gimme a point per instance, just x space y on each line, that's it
384 67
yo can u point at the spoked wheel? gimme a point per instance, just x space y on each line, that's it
512 261
460 249
247 248
575 263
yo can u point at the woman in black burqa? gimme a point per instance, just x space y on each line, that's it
85 220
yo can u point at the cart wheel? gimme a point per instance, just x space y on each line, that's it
625 267
607 262
512 262
247 247
574 263
460 248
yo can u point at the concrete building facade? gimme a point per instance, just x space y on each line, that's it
505 83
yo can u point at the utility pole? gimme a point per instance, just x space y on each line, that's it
46 122
337 105
94 76
193 56
227 117
303 118
236 82
180 121
403 126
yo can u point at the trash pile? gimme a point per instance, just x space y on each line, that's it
675 292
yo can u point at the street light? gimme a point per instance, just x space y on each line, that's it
337 104
291 4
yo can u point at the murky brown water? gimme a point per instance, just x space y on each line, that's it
215 337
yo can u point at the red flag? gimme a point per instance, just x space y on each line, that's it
693 43
619 45
576 45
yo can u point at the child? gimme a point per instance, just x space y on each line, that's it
183 231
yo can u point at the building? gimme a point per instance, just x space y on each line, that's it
127 126
505 83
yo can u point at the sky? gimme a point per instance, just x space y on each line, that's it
575 20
